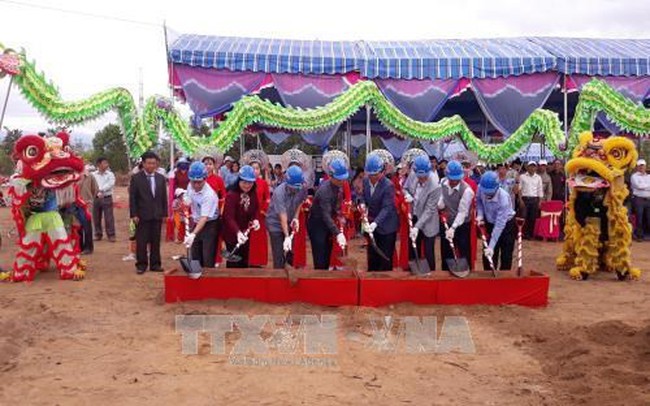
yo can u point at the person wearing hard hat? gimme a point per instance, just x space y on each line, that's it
531 192
204 205
321 226
239 215
495 211
456 200
382 220
282 217
640 183
426 224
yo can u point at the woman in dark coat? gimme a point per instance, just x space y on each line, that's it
239 213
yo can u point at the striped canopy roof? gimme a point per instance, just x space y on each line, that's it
599 57
435 59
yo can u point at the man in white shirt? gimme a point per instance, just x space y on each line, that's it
640 182
202 240
456 200
103 203
531 191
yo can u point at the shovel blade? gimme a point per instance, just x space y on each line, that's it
419 266
458 267
193 268
230 256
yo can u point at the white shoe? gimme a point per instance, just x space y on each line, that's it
130 257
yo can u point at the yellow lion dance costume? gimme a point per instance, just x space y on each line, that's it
597 231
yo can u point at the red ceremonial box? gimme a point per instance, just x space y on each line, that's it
347 288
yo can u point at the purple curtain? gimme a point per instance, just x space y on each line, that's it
310 92
210 92
277 137
419 99
636 88
508 102
431 148
395 145
357 140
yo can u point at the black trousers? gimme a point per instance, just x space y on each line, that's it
321 244
425 244
641 207
504 248
104 206
204 248
531 212
148 233
242 252
86 236
386 243
461 241
277 240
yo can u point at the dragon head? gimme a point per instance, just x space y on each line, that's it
599 163
48 162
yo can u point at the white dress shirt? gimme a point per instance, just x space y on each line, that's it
105 182
465 202
640 184
205 203
531 186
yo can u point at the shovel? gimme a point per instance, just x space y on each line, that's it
417 265
232 256
485 246
288 269
520 255
371 236
457 266
191 266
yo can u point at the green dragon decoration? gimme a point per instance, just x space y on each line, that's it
141 131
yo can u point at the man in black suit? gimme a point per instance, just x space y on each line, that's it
383 221
148 207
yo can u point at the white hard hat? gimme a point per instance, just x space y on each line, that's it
532 163
640 162
543 162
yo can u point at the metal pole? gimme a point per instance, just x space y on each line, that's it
242 146
368 134
171 93
566 111
4 107
348 136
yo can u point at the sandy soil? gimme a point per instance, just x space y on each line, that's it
111 340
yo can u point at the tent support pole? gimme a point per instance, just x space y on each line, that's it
348 137
566 110
4 106
368 135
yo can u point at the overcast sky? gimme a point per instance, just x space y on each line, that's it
83 54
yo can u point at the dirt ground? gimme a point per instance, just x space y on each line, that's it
111 340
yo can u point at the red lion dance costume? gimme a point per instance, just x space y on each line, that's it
46 181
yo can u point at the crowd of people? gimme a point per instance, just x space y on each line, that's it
212 206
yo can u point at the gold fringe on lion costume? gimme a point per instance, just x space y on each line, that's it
597 230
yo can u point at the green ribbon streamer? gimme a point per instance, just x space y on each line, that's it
141 131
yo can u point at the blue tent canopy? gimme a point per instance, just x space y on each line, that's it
435 59
599 57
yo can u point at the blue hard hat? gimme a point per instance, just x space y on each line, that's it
339 170
489 183
422 166
197 171
374 164
455 171
247 173
295 177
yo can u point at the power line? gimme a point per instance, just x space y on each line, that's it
80 13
